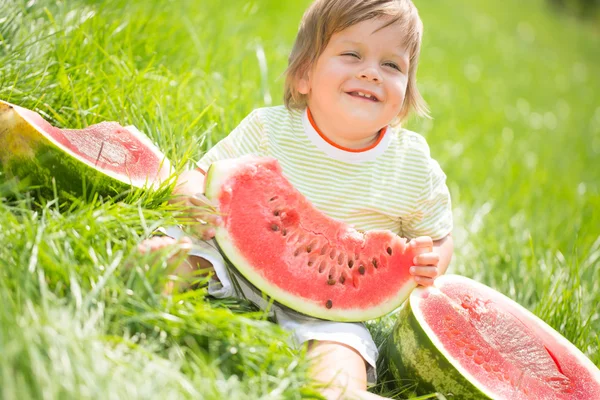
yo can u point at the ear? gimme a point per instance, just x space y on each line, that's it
303 83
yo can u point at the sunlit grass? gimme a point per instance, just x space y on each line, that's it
516 127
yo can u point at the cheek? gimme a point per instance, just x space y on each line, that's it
329 74
399 93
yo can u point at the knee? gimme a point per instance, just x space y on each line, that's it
339 367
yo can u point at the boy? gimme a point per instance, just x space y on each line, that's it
351 79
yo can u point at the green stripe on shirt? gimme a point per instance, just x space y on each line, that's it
395 186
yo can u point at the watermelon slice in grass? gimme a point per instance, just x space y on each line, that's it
105 158
297 255
467 341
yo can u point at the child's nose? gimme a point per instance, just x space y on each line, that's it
370 73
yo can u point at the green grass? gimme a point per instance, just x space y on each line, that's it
516 127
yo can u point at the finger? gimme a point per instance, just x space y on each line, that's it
204 218
200 200
208 234
143 247
179 199
428 272
207 217
214 219
422 242
427 259
202 229
424 281
185 244
185 240
159 242
181 250
154 244
149 245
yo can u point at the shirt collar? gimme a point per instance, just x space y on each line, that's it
341 153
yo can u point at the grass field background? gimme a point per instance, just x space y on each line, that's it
513 91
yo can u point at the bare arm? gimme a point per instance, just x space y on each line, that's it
188 184
444 248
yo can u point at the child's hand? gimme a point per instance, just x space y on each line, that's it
179 250
204 214
157 243
180 263
425 268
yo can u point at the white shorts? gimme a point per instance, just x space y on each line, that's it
302 327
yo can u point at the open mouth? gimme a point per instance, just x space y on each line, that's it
363 95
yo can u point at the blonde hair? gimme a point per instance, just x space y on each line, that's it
326 17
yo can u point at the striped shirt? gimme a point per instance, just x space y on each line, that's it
394 184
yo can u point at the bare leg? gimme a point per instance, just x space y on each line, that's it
341 368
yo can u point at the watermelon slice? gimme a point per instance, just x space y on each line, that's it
297 255
105 158
463 338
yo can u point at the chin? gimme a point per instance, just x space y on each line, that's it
364 123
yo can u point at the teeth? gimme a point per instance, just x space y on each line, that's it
368 96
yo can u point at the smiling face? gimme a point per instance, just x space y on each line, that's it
357 85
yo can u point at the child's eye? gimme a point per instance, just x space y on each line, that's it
351 54
392 65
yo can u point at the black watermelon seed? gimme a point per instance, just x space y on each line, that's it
310 263
273 198
350 263
276 213
342 280
389 251
308 249
361 270
284 232
331 281
375 263
275 227
329 304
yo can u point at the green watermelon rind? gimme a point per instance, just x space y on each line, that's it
412 355
217 175
75 177
415 351
47 158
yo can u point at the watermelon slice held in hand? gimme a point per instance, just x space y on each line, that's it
299 256
105 158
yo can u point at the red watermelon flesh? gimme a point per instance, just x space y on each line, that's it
296 254
119 152
505 350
